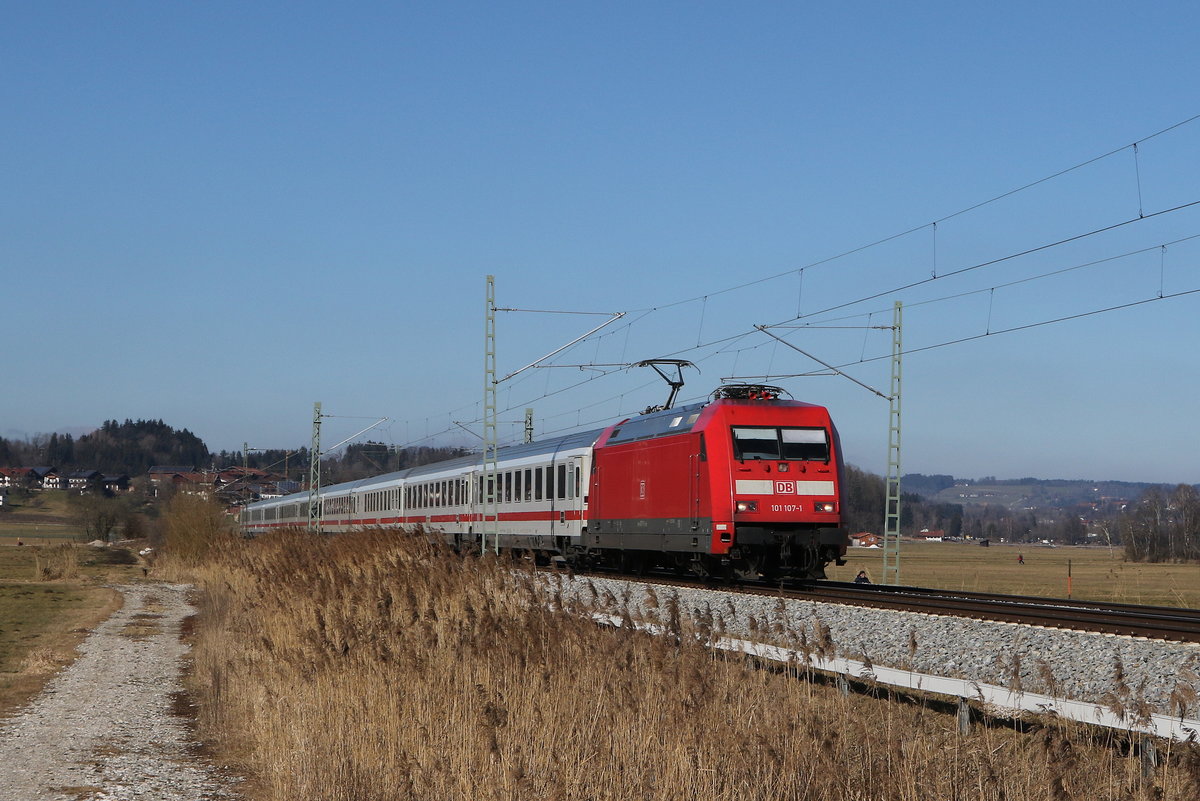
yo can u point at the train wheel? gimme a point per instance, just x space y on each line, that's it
632 563
757 565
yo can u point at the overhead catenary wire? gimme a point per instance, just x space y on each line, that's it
990 333
945 218
733 344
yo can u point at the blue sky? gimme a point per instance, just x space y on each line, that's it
216 214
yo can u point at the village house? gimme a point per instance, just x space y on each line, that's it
47 478
16 477
84 480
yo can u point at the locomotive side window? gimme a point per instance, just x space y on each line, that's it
792 444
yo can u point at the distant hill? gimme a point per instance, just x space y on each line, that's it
131 447
1023 493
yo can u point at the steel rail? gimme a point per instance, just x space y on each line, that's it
1151 622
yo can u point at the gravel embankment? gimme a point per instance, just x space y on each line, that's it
103 729
1112 670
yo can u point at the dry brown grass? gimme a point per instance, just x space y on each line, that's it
57 562
371 667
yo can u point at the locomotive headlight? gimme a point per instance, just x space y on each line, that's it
747 506
824 507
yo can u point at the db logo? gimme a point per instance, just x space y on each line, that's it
785 487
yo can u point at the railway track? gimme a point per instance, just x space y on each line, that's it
1150 622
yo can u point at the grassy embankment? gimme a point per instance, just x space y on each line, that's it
368 666
1097 573
51 594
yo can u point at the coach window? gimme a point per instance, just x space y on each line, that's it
506 488
562 481
537 483
578 494
528 484
518 486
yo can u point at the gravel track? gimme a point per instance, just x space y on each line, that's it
103 730
1109 670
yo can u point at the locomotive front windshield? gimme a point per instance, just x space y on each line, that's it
783 444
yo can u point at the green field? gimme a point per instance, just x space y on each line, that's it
44 518
1097 573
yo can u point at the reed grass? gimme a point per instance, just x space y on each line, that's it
369 666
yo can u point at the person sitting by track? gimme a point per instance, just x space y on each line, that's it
861 578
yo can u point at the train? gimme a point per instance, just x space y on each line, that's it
744 485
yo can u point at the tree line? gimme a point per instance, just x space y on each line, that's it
1162 525
131 447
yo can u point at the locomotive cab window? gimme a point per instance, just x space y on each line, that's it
791 444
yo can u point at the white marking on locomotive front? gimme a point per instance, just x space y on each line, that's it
814 487
746 486
785 487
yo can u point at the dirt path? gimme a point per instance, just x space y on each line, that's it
103 728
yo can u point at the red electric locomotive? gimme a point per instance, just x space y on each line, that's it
746 485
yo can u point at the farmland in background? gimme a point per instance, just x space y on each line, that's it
1097 573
